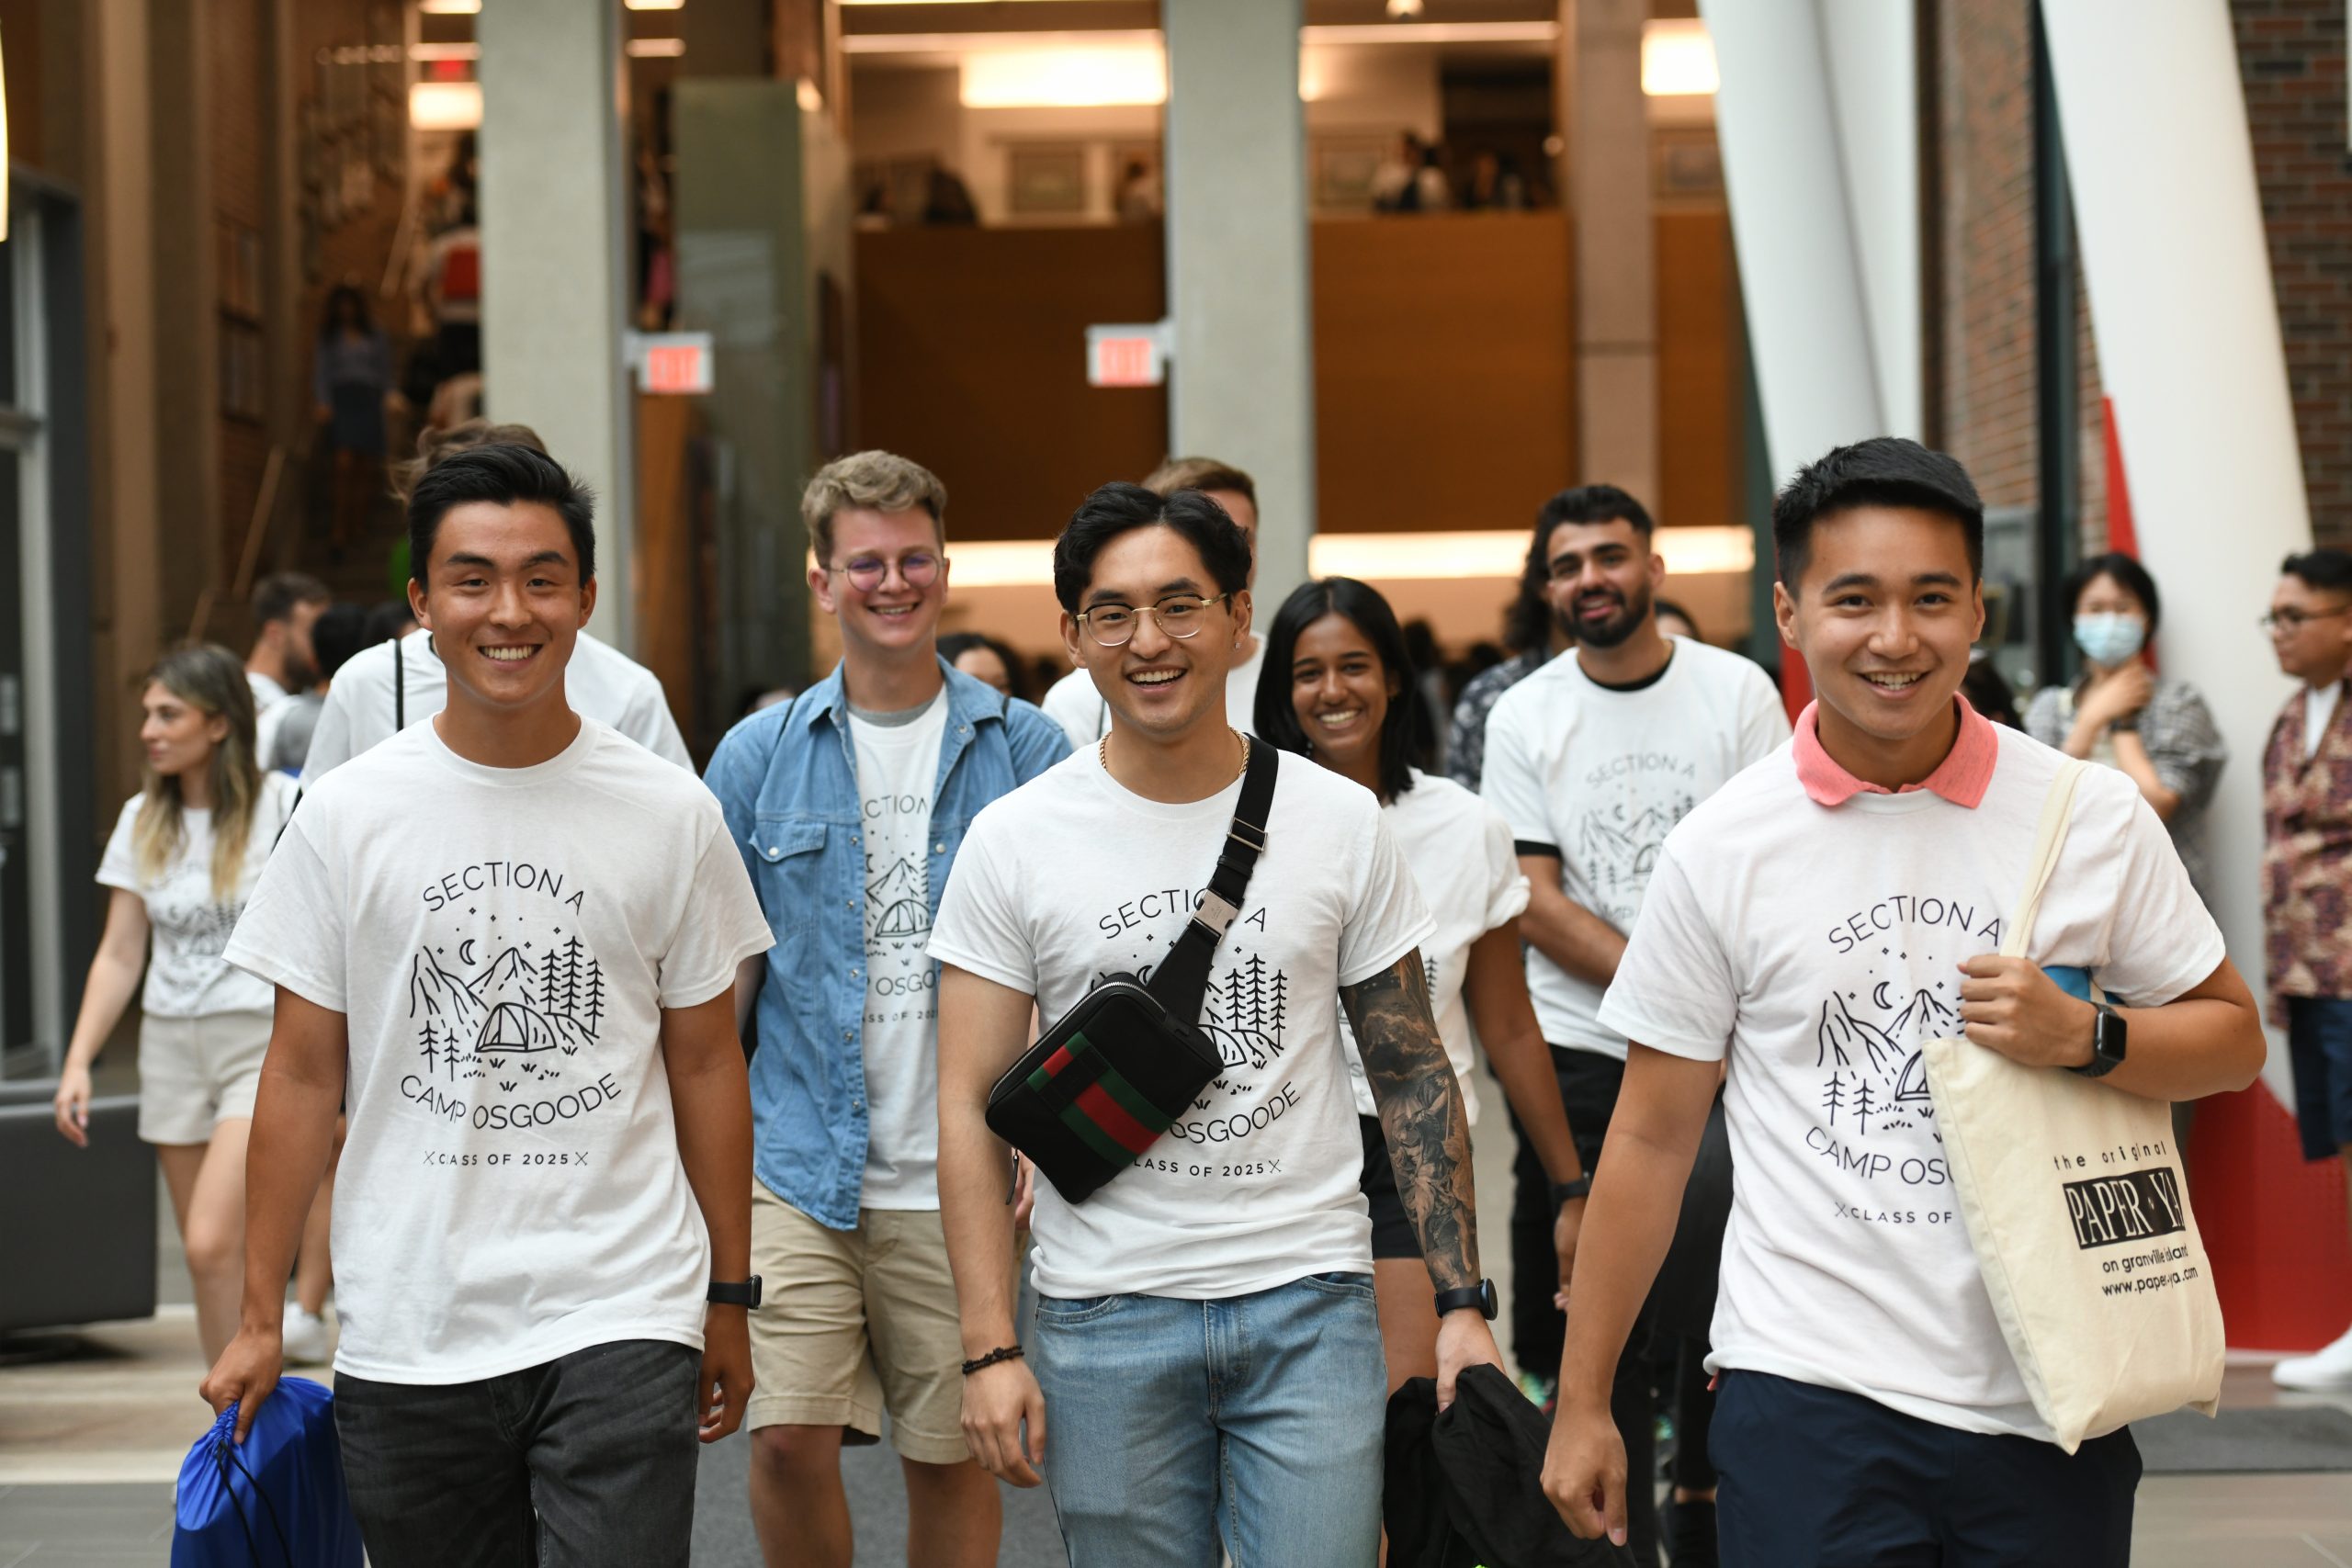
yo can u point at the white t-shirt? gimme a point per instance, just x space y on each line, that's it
1460 852
600 683
2319 708
186 977
1074 703
1603 776
1820 946
269 700
1071 878
897 765
503 941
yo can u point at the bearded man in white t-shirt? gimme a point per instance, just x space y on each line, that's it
1812 926
508 937
1207 1348
1592 760
1074 703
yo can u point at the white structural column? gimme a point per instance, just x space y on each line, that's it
1800 265
1616 266
554 230
1872 51
2170 222
1243 385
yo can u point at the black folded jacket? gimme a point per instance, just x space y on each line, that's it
1465 1488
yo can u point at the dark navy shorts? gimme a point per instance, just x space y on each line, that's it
2319 1039
1832 1480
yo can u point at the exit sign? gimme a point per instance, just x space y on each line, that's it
1127 354
671 362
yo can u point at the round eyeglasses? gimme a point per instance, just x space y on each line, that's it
919 568
1179 615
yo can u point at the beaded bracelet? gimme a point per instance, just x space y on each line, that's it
1001 1353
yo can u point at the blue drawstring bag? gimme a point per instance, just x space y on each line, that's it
276 1500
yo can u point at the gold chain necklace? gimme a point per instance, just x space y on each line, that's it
1102 751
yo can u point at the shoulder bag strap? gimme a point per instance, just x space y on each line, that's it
1182 977
400 687
2048 840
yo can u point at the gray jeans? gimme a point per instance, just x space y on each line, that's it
585 1462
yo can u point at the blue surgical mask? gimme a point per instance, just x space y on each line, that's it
2110 640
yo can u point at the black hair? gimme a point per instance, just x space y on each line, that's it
1668 607
340 294
955 645
2128 574
276 596
1590 504
1527 621
2323 568
504 474
389 620
340 631
1987 691
1885 471
1407 735
1117 507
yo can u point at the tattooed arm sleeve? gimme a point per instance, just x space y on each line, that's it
1421 1114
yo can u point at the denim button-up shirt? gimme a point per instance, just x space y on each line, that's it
788 780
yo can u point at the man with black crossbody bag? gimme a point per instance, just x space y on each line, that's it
1205 1370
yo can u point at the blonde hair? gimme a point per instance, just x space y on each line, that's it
211 679
872 481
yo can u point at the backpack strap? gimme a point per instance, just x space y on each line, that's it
1181 981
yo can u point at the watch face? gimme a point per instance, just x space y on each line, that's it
1487 1303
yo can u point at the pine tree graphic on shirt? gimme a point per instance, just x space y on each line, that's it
1243 1015
1873 1050
1617 850
510 1022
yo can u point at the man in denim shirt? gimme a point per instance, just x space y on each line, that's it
849 806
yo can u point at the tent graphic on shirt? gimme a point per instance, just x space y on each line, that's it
510 1008
1877 1075
898 902
1618 856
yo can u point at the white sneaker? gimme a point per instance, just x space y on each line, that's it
306 1339
2324 1371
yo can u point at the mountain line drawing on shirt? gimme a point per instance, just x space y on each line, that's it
504 1016
898 902
1877 1069
1618 854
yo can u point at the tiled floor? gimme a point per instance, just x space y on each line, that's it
89 1445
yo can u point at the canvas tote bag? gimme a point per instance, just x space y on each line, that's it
2078 1207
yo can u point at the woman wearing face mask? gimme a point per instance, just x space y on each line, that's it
184 858
2121 713
1350 702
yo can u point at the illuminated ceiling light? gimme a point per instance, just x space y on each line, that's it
1469 554
808 95
1431 32
1404 7
451 7
1064 78
655 47
657 5
1677 57
445 106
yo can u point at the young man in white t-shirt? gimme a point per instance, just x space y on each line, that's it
1592 760
1208 1365
1812 925
1074 703
282 664
509 938
849 805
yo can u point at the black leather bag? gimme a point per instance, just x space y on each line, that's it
1117 1070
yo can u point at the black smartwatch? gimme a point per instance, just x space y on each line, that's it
735 1292
1570 1191
1480 1295
2108 1032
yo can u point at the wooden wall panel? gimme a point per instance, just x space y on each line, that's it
1700 355
971 359
1443 383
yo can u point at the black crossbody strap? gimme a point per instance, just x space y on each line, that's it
399 688
1182 978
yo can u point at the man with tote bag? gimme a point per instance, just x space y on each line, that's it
1816 924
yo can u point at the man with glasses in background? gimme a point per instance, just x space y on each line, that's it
849 805
2307 877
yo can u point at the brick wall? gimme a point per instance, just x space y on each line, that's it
1983 143
2290 57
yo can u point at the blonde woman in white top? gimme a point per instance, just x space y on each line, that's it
182 860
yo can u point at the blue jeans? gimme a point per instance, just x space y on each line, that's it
1254 1422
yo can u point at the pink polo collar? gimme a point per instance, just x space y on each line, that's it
1962 777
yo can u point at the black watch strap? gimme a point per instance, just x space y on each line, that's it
735 1292
1480 1295
1570 1191
2109 1034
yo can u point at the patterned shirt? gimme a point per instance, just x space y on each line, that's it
2307 857
1465 747
2183 746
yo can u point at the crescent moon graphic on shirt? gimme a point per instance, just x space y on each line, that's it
1879 999
466 952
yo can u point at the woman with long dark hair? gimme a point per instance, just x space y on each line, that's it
1339 687
184 858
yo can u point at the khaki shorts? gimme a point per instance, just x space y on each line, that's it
852 1322
195 1073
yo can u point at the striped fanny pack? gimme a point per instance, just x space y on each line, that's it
1113 1073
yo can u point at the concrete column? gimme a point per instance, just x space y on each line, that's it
1872 54
1616 268
555 236
2170 222
1242 386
